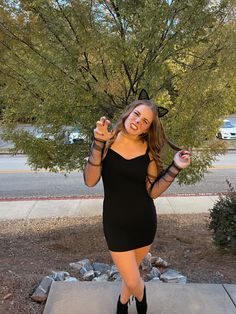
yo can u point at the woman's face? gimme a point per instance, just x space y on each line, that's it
139 120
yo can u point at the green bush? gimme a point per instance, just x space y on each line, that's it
223 220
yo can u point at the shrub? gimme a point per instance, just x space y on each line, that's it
223 220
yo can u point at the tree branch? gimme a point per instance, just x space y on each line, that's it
22 83
52 30
37 52
68 21
110 11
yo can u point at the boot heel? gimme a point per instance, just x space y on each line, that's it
141 306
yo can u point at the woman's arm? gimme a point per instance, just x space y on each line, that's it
156 185
92 170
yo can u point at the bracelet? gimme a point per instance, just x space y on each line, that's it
174 165
95 139
96 165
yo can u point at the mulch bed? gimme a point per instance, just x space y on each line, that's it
32 249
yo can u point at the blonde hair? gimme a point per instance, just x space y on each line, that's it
155 136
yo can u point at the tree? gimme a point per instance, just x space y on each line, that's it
69 62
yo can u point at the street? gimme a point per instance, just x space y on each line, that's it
19 181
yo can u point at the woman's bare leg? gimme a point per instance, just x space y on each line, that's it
140 253
128 266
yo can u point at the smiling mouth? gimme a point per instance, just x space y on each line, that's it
133 127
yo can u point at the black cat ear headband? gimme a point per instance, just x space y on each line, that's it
143 95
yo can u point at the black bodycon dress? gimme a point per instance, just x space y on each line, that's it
129 214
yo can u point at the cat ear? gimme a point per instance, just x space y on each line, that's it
143 95
162 111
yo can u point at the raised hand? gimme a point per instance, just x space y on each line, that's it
182 159
101 132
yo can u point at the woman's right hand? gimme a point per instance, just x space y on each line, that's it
101 132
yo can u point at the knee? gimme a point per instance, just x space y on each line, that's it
132 283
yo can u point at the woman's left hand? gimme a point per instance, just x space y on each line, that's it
182 159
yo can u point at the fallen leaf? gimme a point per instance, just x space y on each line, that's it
7 296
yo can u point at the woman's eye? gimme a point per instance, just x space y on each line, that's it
135 113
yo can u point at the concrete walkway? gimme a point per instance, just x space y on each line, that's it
101 298
163 298
74 207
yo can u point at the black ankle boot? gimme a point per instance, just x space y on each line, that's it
122 308
141 306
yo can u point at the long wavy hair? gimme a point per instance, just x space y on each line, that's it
155 136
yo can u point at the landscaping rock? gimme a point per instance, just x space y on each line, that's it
154 273
101 267
41 293
113 270
160 262
89 275
71 279
146 263
97 273
84 263
76 265
172 275
60 275
83 270
102 278
116 277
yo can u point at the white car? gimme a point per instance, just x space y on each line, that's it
43 135
76 136
71 135
227 131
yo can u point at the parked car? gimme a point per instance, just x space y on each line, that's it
76 136
70 134
43 135
227 131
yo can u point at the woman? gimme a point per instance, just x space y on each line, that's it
128 159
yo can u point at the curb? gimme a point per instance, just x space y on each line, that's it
98 197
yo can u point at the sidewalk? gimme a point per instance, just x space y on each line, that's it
163 298
85 207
